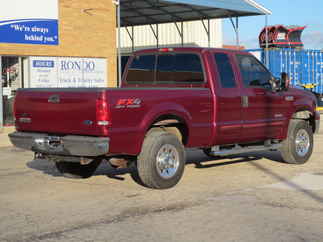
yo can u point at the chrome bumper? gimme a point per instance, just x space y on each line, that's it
70 145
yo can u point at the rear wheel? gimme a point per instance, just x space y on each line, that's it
76 170
162 160
298 146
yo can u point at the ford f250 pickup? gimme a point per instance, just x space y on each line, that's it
223 102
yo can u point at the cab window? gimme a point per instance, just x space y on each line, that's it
253 73
225 70
179 68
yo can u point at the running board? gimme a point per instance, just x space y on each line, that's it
237 149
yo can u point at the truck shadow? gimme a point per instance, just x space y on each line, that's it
44 166
251 158
289 183
195 157
202 161
104 169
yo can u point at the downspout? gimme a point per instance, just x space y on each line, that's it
117 3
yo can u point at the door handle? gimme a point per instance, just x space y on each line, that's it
245 101
260 93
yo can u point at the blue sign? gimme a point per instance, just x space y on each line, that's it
29 22
36 31
43 63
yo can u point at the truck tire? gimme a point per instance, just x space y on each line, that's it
298 146
76 170
161 162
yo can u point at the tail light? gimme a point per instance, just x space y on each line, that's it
102 112
165 49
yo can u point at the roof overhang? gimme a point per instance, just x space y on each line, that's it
143 12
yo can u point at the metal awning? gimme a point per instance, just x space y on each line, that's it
131 13
143 12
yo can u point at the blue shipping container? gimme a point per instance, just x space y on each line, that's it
303 66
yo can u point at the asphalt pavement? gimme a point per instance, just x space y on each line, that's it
252 197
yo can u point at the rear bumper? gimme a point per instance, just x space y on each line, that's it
70 145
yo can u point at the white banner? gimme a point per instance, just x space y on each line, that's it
51 72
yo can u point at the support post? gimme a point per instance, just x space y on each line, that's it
1 97
209 32
236 30
182 29
180 32
207 29
117 3
21 85
157 30
237 27
267 42
156 34
131 36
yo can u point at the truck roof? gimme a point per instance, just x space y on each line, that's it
185 49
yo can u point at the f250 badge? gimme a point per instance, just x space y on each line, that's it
128 103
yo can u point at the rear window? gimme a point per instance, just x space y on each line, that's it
142 69
170 68
179 68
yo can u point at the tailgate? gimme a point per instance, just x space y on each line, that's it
58 111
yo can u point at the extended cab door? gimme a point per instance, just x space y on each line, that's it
227 91
263 110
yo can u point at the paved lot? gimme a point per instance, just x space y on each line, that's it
253 197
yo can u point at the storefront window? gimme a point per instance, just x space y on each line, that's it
11 81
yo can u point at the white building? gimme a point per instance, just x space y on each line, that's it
194 34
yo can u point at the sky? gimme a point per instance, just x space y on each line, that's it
286 12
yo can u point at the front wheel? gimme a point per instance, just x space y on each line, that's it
162 160
298 146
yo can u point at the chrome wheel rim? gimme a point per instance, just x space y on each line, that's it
167 161
302 142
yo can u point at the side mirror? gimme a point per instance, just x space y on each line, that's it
285 81
274 84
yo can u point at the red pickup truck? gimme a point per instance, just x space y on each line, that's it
223 102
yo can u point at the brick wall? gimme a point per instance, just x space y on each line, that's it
86 29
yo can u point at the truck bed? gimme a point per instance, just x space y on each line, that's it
58 111
124 113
